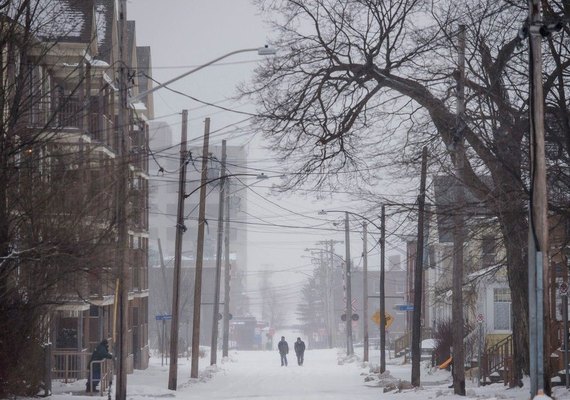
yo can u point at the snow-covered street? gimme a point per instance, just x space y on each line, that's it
259 375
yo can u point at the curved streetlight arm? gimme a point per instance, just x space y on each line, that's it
261 176
324 212
266 50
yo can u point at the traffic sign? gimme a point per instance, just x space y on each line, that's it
563 289
388 319
404 307
355 317
480 318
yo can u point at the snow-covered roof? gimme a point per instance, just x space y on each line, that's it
64 20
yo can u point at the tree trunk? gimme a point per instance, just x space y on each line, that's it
515 232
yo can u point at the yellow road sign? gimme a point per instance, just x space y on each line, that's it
388 319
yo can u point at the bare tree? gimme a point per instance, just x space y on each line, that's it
362 84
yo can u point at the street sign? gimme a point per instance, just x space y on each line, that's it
388 319
404 307
563 289
164 317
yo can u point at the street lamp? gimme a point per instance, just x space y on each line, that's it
180 228
262 51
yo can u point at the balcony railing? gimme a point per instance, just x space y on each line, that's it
72 113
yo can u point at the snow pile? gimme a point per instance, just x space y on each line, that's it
386 381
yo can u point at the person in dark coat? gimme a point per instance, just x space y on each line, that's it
300 351
283 350
101 352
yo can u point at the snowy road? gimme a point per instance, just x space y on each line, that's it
259 375
247 375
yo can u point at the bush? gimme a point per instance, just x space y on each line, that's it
444 340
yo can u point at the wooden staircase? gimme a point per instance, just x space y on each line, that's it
403 343
497 363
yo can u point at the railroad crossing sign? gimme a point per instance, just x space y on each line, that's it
388 319
563 289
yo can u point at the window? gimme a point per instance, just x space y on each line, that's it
502 308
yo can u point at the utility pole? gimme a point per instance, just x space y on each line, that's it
214 345
538 226
418 278
382 291
122 227
365 288
349 346
331 297
226 327
180 229
459 228
200 255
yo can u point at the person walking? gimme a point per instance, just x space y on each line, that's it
283 347
300 351
101 352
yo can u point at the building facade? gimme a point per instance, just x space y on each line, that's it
64 147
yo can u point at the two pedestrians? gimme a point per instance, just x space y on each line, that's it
283 348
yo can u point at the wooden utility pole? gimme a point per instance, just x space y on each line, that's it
122 222
180 229
349 346
226 325
538 226
200 255
214 344
331 297
459 228
418 278
382 290
365 288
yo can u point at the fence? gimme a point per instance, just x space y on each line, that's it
69 366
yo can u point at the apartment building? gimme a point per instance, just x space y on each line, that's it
60 148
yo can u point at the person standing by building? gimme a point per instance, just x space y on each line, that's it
283 347
300 351
101 352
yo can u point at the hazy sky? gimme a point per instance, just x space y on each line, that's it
187 33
